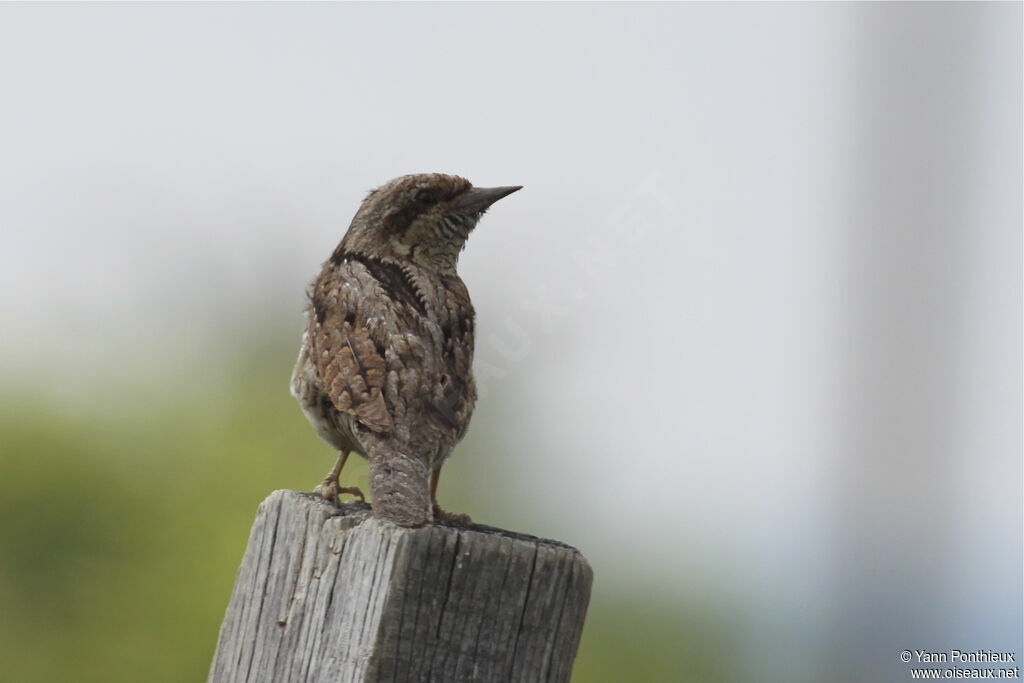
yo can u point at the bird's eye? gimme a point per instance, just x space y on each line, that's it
424 197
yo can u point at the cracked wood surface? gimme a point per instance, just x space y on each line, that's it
338 595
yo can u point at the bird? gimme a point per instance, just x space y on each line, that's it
385 368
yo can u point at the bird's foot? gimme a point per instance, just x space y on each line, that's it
453 517
329 490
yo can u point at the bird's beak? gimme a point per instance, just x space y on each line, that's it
477 199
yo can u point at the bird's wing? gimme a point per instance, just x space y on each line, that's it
349 365
459 392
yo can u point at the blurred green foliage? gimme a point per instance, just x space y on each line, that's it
122 525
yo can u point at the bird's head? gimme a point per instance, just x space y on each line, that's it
423 218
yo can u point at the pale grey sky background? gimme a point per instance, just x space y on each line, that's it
755 317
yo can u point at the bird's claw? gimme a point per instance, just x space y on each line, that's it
453 517
330 491
354 491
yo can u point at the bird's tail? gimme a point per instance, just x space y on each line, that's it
400 488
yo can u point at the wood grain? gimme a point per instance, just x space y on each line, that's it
338 595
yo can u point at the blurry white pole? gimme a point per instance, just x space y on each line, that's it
918 151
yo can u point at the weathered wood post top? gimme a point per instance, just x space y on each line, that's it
326 594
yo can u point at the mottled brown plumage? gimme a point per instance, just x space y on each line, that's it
385 367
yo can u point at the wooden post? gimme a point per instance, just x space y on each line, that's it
337 595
